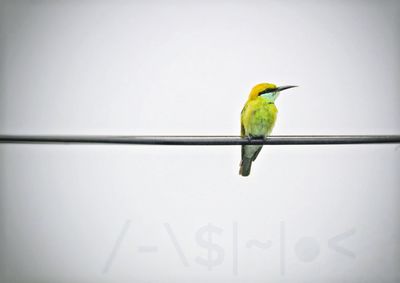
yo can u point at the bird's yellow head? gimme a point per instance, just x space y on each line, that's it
267 90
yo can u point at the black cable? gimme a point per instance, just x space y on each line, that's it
201 140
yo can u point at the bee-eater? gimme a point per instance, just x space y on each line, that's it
257 120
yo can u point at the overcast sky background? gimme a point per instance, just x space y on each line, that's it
87 213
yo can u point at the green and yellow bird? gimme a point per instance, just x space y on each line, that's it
257 120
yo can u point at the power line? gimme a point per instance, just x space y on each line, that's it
200 140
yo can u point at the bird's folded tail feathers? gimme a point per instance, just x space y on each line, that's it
245 166
249 154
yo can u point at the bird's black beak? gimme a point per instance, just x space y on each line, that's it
280 88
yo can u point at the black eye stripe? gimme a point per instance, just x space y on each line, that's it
267 91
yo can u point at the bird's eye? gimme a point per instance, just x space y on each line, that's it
268 90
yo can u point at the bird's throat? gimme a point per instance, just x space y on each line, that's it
269 97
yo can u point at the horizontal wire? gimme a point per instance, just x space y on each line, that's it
201 140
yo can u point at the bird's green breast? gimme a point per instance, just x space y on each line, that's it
258 117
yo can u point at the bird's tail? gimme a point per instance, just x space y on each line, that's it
249 154
245 166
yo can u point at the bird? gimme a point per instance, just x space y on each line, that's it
257 120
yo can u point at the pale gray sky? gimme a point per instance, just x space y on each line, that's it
89 213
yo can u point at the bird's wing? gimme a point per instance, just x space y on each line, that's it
244 108
242 130
243 133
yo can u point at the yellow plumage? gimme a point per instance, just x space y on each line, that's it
257 120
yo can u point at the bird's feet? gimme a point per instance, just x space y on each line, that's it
255 140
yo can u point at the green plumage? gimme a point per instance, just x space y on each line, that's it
257 120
